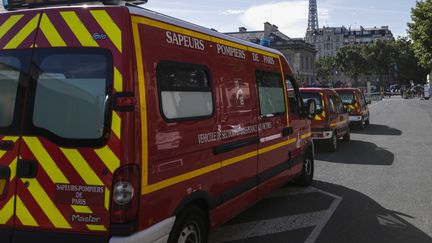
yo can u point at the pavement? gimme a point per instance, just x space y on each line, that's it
375 188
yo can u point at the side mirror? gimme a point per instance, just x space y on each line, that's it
311 109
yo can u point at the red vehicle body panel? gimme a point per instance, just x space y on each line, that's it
358 107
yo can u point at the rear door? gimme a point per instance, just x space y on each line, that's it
70 138
17 31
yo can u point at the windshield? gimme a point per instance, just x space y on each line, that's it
68 96
315 96
347 97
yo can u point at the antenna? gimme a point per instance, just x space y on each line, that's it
313 17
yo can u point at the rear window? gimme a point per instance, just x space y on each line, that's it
347 97
315 96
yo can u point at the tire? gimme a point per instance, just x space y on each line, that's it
191 226
306 177
367 122
332 143
347 136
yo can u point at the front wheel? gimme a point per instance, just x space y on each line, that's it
306 176
191 226
332 143
362 124
347 136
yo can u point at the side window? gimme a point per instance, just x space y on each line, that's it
185 90
295 103
338 104
271 93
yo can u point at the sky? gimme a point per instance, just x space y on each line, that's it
290 16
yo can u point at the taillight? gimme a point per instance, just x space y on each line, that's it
125 194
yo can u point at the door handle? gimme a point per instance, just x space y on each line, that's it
6 145
286 131
27 168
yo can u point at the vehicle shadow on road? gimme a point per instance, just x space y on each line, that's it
356 152
377 129
359 218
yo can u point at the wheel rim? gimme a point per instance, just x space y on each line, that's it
308 166
190 234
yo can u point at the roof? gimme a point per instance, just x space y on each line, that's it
347 89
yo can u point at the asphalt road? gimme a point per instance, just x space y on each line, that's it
375 188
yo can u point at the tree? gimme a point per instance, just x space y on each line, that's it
325 67
420 31
406 63
380 57
351 61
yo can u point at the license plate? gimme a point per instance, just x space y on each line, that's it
2 186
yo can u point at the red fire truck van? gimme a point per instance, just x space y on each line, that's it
120 124
331 121
354 100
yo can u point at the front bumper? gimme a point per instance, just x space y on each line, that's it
321 135
355 118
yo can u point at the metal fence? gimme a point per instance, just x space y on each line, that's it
370 97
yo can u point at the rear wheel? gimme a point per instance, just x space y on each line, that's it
191 226
347 136
306 176
367 121
362 124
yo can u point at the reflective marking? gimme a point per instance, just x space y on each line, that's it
12 167
337 123
9 23
82 167
81 209
118 80
109 26
276 146
96 227
24 214
7 211
307 135
50 32
23 33
78 28
108 158
49 208
142 95
45 160
234 160
116 124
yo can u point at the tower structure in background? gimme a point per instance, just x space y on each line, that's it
313 17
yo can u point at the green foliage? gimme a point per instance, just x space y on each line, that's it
351 60
325 67
406 63
420 31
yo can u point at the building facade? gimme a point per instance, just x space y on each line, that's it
300 55
328 40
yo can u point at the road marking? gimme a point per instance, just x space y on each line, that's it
317 219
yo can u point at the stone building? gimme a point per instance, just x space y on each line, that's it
328 40
300 55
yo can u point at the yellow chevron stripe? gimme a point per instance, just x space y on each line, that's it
108 158
116 124
9 23
24 214
7 211
96 227
45 160
317 118
12 167
48 206
78 28
13 139
118 80
50 32
81 209
82 167
306 135
109 26
23 33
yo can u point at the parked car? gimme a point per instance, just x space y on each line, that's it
354 100
331 121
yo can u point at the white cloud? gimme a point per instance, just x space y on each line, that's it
290 16
232 12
